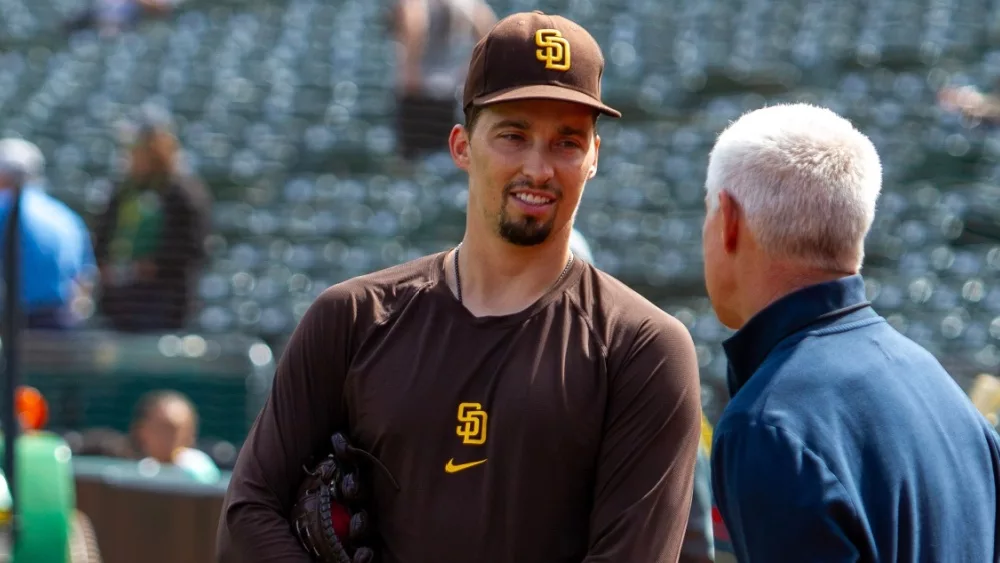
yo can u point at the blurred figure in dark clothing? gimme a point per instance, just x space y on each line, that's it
110 17
435 39
149 241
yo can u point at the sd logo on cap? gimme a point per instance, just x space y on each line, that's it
533 55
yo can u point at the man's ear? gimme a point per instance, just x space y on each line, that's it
458 144
597 152
732 216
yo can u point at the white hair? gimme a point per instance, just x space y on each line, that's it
22 157
806 180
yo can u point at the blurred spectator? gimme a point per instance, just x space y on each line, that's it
971 103
104 442
699 541
435 39
165 428
56 257
149 241
113 16
985 395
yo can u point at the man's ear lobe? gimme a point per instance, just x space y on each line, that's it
458 144
597 156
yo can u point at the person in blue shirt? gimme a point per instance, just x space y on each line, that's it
57 258
843 440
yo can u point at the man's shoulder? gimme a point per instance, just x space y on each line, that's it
384 286
56 215
46 202
612 303
628 325
836 376
874 346
190 190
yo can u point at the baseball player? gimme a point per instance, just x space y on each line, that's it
526 406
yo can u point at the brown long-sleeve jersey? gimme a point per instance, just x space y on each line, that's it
567 432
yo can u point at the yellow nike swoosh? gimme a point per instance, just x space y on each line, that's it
450 467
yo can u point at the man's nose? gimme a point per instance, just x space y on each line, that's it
537 166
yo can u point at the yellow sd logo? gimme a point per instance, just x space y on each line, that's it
553 49
473 427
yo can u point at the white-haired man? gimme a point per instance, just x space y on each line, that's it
844 440
57 258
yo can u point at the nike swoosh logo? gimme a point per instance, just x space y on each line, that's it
451 467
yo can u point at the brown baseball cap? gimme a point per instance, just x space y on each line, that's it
533 55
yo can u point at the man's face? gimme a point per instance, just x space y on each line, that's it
140 160
168 427
528 162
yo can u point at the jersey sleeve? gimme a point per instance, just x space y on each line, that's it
645 473
303 410
778 499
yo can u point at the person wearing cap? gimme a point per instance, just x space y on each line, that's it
149 240
530 407
56 255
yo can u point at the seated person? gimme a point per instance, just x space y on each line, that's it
164 428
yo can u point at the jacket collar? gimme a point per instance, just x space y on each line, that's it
747 349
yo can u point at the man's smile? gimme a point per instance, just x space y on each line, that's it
533 201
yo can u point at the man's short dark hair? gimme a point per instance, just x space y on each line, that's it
472 114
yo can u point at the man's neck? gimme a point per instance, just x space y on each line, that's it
776 279
499 278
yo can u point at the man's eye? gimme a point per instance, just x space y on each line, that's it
511 136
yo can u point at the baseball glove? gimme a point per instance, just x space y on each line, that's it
329 517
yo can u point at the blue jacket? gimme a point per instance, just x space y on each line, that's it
56 250
846 441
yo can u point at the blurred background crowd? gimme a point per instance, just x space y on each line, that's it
197 171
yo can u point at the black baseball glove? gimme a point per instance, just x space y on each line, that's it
329 516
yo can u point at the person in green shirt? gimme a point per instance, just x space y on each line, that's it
149 241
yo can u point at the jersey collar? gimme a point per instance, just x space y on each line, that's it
747 349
